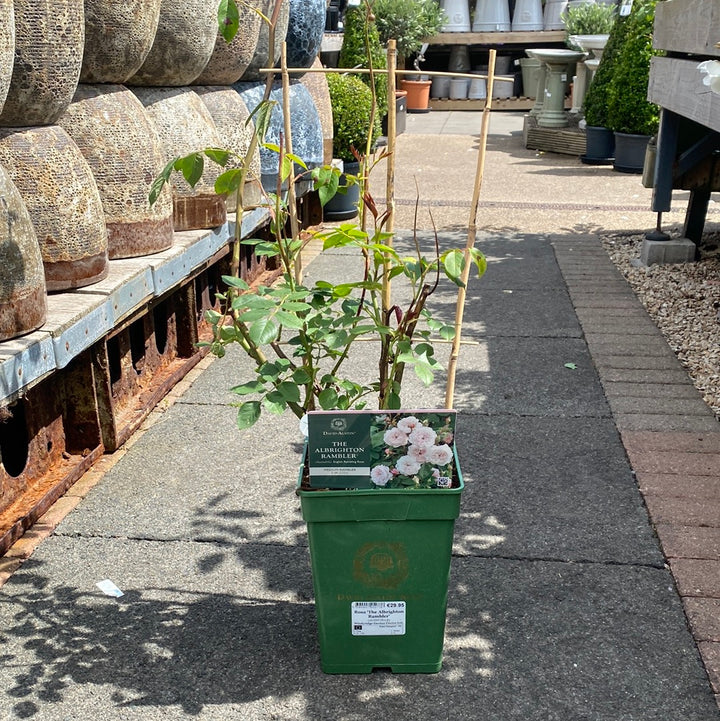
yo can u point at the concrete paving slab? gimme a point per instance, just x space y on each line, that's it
529 377
579 499
211 641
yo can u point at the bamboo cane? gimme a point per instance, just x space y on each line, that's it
472 232
390 186
292 207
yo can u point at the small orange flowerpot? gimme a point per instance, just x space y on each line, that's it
418 95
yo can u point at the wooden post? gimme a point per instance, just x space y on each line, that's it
292 203
472 233
390 186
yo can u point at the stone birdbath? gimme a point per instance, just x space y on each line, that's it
556 62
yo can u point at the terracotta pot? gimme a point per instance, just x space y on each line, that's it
118 38
229 61
49 42
230 115
418 95
63 201
110 126
184 126
183 45
23 304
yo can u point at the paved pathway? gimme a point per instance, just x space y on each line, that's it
562 604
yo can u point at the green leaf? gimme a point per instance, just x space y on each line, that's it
218 155
424 373
228 182
571 366
328 399
289 319
290 392
480 261
296 159
235 282
248 388
328 189
159 182
263 331
453 262
228 19
276 408
248 414
191 166
262 115
301 376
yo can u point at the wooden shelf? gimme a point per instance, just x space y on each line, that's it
508 38
497 104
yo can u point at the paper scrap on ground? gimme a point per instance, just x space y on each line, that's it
571 366
109 588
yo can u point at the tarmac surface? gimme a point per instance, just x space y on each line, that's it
584 579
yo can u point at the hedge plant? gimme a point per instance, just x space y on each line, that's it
361 39
408 22
351 102
595 105
629 111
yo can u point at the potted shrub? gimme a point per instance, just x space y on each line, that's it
409 23
587 20
361 47
600 138
382 545
352 104
631 116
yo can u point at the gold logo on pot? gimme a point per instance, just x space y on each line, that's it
381 564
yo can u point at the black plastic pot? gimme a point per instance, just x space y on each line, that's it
630 152
343 206
600 146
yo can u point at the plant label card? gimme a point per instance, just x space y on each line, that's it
381 449
339 449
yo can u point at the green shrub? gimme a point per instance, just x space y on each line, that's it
629 111
588 20
354 51
351 102
408 22
595 105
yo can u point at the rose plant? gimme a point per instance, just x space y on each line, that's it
409 452
299 336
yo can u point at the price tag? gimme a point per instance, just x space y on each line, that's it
378 618
625 8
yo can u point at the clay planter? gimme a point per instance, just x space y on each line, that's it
230 115
183 45
229 61
7 47
110 126
23 304
118 38
418 95
306 25
49 42
261 56
184 126
63 202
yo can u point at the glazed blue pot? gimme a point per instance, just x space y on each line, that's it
306 26
307 135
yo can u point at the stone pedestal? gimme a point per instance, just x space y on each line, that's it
676 250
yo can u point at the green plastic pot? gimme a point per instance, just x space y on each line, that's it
381 566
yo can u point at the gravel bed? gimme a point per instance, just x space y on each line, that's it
683 299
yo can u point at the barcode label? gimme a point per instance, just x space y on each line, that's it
377 618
